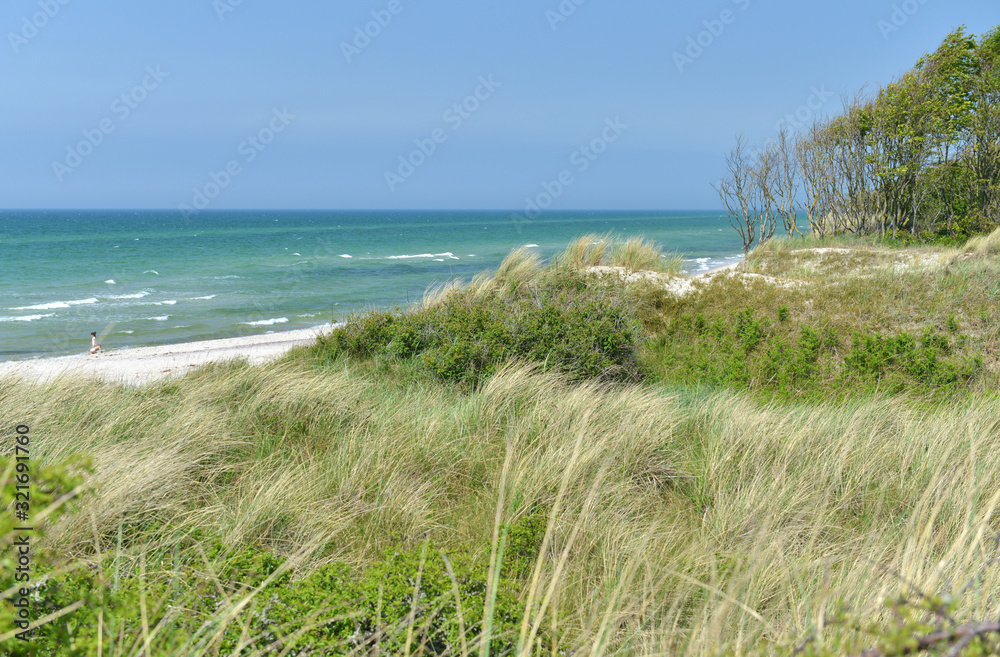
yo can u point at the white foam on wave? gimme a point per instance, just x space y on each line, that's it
535 246
211 296
129 332
44 306
345 255
58 304
151 271
170 303
26 318
161 318
438 259
137 295
695 265
222 278
448 254
298 254
267 322
110 281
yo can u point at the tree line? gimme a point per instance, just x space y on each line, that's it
920 156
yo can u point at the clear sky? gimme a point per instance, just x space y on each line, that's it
437 104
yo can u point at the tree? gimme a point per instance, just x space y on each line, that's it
920 154
782 186
738 191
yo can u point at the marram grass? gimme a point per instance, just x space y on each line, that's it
680 523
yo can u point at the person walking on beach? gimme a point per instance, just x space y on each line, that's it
94 347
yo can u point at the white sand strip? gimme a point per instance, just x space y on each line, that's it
145 364
677 285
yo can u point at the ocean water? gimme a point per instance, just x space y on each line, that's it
146 278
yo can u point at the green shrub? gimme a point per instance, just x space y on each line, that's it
749 351
416 595
588 332
930 361
49 494
524 540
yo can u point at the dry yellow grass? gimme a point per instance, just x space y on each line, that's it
638 254
984 244
679 523
588 251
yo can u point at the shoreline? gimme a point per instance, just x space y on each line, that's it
139 365
715 270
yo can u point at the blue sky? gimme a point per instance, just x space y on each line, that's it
441 105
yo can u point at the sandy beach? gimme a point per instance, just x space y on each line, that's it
145 364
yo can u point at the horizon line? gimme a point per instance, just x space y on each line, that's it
219 211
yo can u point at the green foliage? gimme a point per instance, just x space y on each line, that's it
75 635
952 324
750 351
524 540
900 359
917 159
417 596
744 351
49 495
560 317
923 626
587 331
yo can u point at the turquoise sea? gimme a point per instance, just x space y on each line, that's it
145 278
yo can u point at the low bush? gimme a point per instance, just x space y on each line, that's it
930 361
556 318
32 498
747 350
415 597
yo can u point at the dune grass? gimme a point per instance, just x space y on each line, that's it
632 254
985 245
589 250
675 522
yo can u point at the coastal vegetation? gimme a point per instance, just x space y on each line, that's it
793 457
917 158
